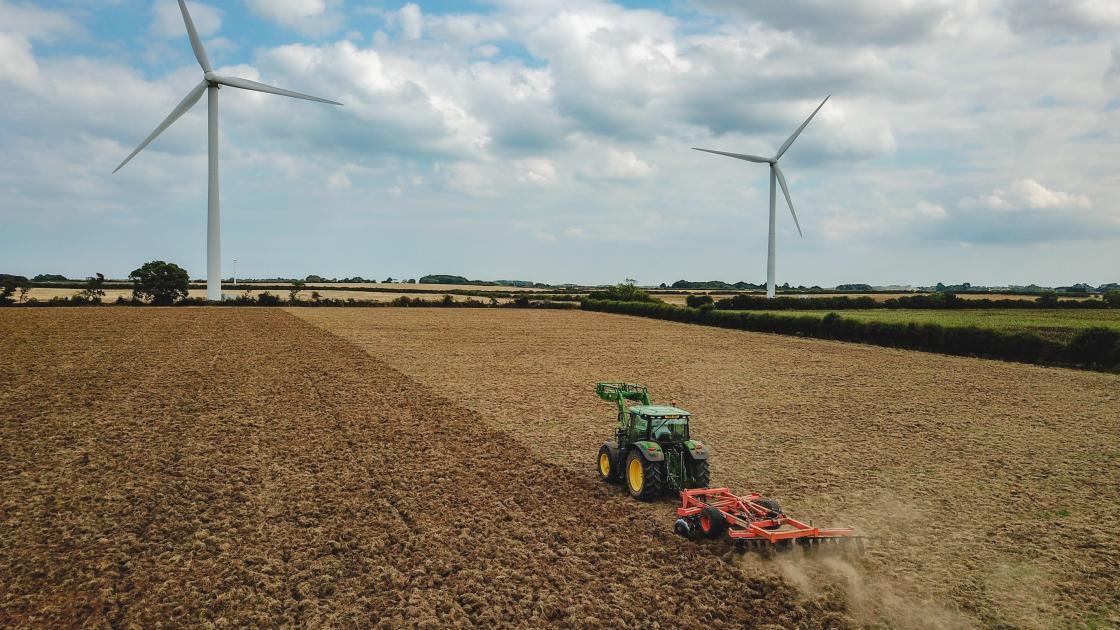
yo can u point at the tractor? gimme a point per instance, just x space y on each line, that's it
652 451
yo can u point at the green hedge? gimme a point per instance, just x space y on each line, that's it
946 301
1095 348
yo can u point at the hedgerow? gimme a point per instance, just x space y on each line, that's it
1094 348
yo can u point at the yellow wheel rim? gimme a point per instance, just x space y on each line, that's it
635 474
604 464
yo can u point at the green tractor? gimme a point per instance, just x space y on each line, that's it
652 451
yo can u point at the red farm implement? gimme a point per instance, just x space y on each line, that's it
751 521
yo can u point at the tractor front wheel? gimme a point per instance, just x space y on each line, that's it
643 478
607 466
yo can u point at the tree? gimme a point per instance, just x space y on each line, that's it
293 293
162 283
1048 299
94 290
315 297
8 286
1112 298
24 289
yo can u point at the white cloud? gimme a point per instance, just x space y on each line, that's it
339 181
32 22
167 20
1064 16
17 63
852 21
411 21
314 18
536 171
611 163
1028 194
570 115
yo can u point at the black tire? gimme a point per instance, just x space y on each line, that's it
775 510
611 475
701 475
772 505
652 479
712 523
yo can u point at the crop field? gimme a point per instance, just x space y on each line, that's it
1057 324
45 294
246 466
239 467
985 487
680 298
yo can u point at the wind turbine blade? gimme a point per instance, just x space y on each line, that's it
196 42
785 191
785 147
738 156
246 84
180 109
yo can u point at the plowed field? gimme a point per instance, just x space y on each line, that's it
990 491
240 467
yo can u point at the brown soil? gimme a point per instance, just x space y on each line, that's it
990 491
238 467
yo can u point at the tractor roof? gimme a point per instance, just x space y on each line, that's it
658 410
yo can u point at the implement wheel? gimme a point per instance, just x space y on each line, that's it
712 522
775 510
643 479
606 466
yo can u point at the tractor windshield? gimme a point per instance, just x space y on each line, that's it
670 429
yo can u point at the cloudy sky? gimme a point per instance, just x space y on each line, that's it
966 140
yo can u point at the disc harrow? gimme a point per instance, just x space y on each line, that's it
753 522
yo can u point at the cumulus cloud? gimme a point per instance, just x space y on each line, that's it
32 22
561 115
853 21
313 18
615 164
1077 17
17 64
167 20
1112 73
1027 194
411 20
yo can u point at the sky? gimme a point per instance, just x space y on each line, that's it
964 141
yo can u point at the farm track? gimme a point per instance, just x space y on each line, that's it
240 467
990 490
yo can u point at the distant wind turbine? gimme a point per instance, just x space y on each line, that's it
210 84
775 174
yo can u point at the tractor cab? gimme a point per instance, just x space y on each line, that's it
660 423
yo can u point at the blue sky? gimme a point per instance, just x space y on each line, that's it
964 141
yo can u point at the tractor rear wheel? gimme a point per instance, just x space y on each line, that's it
644 479
606 466
712 522
701 475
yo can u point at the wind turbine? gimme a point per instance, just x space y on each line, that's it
775 174
211 83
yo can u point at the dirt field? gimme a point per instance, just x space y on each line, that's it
991 491
240 467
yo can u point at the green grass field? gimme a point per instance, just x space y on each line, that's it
1056 324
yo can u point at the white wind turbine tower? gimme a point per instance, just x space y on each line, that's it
775 174
210 84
